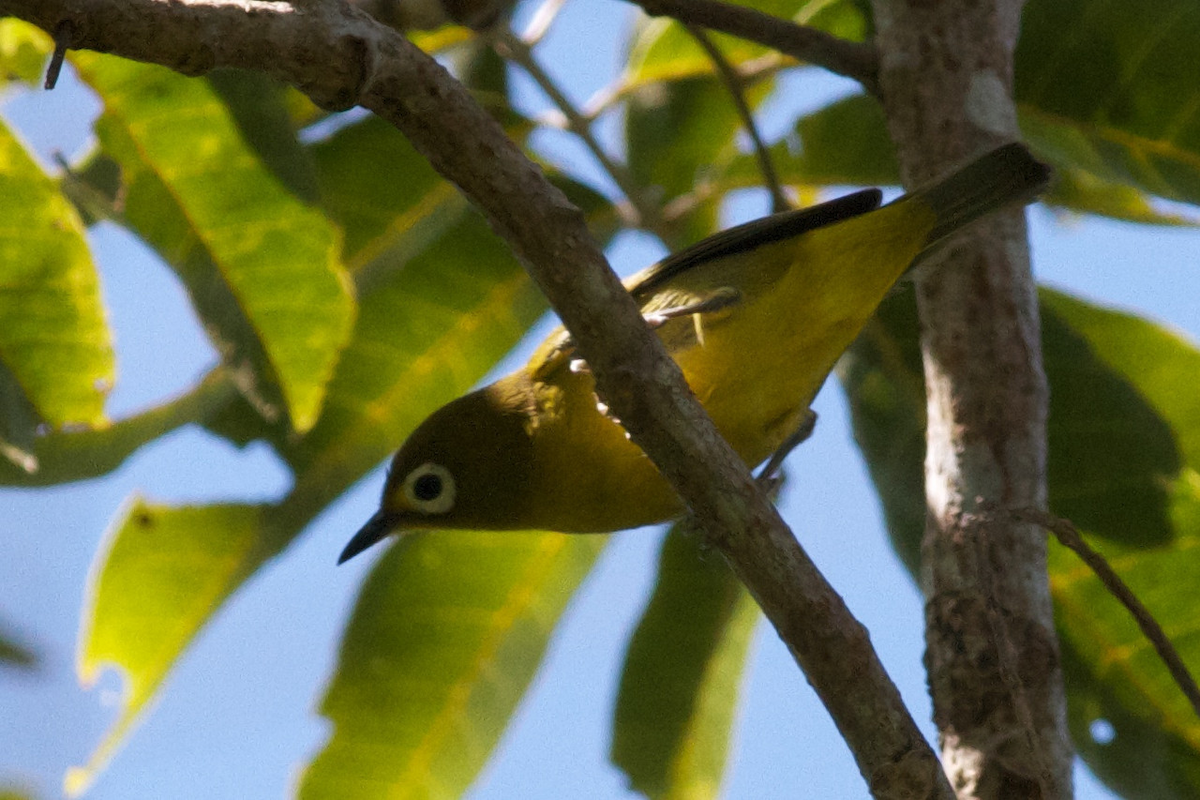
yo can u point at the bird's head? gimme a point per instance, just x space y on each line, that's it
466 466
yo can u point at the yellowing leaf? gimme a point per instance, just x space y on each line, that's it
24 50
161 575
261 266
56 358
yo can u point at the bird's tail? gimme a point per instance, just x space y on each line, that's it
1008 175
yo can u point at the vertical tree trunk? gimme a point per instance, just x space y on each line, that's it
946 80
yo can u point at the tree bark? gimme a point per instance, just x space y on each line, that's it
946 80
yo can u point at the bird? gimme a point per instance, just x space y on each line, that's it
755 316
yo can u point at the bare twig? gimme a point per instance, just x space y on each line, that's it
851 59
733 83
62 42
514 49
1069 537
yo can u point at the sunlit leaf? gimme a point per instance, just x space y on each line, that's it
24 51
663 50
446 635
423 337
679 686
162 573
261 267
1124 445
1084 193
258 105
56 358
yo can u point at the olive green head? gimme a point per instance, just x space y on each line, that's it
466 466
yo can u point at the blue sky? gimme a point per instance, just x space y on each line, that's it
237 720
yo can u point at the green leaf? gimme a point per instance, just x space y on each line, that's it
24 51
94 185
258 105
65 456
424 337
56 358
1124 446
679 136
846 142
1151 540
445 637
1110 88
681 123
1084 193
161 575
663 50
679 685
388 200
261 267
884 382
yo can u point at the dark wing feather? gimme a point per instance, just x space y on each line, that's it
742 238
559 349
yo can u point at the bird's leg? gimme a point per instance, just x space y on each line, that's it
767 476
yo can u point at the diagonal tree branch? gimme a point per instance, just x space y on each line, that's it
841 57
341 57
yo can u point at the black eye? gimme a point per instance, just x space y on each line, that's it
427 487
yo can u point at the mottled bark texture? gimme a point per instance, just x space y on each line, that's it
992 655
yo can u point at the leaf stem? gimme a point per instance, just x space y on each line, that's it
733 83
1068 535
514 49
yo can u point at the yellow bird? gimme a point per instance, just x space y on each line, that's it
755 316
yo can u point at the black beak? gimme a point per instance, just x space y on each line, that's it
377 527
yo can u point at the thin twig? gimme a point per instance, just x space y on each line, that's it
62 42
851 59
512 48
733 83
1069 537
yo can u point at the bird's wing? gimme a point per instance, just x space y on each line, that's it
667 294
748 236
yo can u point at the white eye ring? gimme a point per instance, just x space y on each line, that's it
430 488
